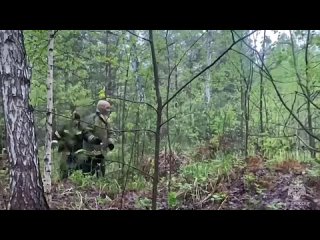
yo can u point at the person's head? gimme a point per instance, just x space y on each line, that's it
104 107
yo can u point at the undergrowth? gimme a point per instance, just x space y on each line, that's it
202 177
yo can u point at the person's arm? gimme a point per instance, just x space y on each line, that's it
88 135
111 135
58 138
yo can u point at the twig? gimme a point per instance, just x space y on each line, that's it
183 55
223 202
97 206
232 35
270 136
127 174
206 68
206 198
311 148
101 189
134 34
167 121
292 106
137 169
265 69
55 32
302 86
67 191
81 202
134 130
309 99
112 208
128 100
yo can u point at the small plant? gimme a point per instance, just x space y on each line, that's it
102 201
138 183
314 172
77 178
143 203
249 180
258 188
185 187
203 171
253 204
83 181
276 206
172 199
218 197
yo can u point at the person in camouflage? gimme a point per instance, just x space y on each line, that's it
70 142
98 125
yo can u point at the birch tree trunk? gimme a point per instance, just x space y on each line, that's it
48 158
26 188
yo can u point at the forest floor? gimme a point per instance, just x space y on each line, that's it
254 184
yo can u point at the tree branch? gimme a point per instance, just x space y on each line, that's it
136 35
271 136
302 86
139 170
304 143
167 121
183 55
127 100
265 69
292 106
205 69
309 99
232 35
136 130
55 32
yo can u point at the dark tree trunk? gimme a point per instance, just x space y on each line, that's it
158 126
26 187
312 142
262 90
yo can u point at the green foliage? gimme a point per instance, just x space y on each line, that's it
199 173
172 199
87 182
143 203
276 206
102 93
218 197
87 62
249 180
314 171
274 145
137 184
81 180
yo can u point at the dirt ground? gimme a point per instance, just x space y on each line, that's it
252 187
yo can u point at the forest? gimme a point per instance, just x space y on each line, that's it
200 119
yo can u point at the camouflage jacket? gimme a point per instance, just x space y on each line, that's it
70 138
98 126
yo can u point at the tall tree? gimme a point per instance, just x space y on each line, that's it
261 85
209 57
47 158
26 187
305 87
158 126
